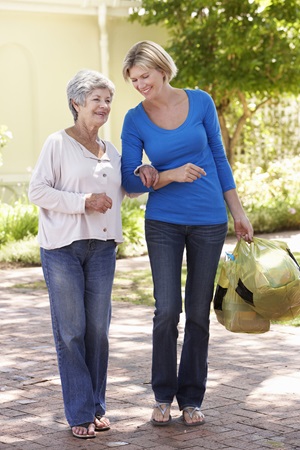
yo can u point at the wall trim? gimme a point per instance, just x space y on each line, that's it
82 7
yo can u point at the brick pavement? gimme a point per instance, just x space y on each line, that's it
252 400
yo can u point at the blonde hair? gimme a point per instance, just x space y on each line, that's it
149 55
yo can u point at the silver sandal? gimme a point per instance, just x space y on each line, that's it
163 408
191 410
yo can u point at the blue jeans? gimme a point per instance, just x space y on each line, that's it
79 278
166 243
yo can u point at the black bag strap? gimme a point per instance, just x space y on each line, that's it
293 257
219 296
243 292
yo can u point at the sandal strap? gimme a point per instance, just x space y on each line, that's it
161 407
191 410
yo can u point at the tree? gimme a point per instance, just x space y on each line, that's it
243 52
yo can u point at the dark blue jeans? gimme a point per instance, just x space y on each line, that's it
166 243
79 278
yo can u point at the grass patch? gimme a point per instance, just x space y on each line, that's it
34 285
135 288
292 323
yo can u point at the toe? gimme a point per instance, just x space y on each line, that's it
81 431
91 429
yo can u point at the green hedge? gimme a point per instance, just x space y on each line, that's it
270 197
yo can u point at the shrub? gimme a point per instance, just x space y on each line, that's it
25 252
18 221
133 228
270 196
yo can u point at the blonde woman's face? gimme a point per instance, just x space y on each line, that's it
147 82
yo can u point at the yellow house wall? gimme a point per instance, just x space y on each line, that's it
122 35
39 53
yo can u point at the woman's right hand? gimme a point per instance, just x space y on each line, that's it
187 173
98 202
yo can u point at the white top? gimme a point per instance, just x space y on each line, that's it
64 173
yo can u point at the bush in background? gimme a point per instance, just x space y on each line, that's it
271 197
18 221
25 252
19 227
133 211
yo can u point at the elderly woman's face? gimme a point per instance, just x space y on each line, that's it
97 107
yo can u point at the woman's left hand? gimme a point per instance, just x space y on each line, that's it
243 229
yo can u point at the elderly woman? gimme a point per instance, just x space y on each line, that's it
77 185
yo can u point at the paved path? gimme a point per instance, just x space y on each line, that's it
252 400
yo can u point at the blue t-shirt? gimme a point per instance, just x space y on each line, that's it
198 141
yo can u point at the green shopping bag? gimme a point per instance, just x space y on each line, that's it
231 310
269 278
266 276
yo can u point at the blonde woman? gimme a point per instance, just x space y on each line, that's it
189 184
